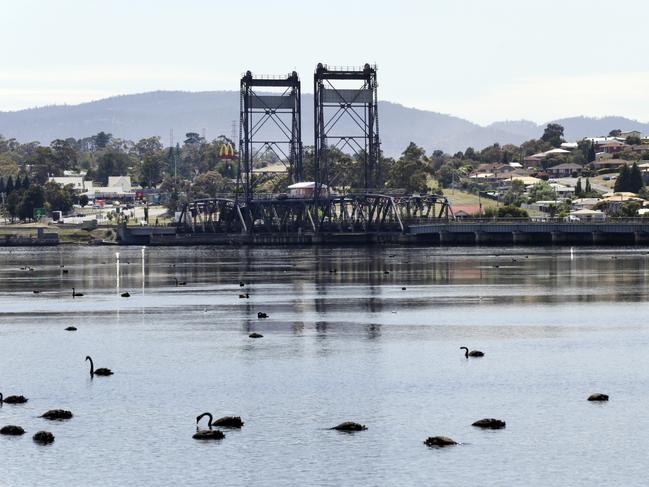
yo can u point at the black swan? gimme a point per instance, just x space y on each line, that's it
12 430
57 414
229 422
13 399
180 283
598 397
440 441
490 423
102 371
209 434
472 353
43 437
75 294
349 426
126 295
255 335
261 315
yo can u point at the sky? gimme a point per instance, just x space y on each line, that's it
481 60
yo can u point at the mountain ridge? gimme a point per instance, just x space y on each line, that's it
135 116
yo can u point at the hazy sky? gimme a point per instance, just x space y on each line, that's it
481 60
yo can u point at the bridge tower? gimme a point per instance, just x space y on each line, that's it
269 124
346 117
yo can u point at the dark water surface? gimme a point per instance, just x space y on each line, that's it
349 345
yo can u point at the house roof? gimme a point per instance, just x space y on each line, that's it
565 165
302 185
586 212
527 180
610 162
611 143
620 194
272 168
466 209
550 152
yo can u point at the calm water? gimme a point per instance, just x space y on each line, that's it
350 345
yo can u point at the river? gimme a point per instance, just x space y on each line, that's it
343 341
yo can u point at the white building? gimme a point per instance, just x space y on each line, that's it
77 182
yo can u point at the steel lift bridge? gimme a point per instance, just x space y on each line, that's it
345 117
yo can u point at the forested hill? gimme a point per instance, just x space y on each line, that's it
142 115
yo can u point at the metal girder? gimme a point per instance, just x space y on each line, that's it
333 103
363 212
269 122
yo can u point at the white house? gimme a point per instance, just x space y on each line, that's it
76 182
305 189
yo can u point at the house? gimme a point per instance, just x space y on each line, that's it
631 133
584 203
564 170
611 146
569 145
77 182
119 188
611 164
562 190
466 211
535 159
587 215
123 182
527 180
305 189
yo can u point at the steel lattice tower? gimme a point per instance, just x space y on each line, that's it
282 136
359 107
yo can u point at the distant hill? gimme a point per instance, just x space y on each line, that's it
155 113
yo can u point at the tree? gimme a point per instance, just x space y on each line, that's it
588 190
629 179
148 146
578 190
633 140
83 200
112 163
10 185
592 155
542 192
32 198
209 184
553 134
26 182
58 197
151 170
615 133
64 154
506 212
101 140
622 181
410 172
636 183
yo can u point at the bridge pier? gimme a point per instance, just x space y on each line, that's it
641 238
558 238
488 238
599 238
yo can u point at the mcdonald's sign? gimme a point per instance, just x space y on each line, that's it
226 151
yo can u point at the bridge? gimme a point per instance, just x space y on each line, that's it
386 224
616 231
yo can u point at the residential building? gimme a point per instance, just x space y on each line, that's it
77 182
611 164
564 170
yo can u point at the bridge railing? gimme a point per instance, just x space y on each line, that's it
527 221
